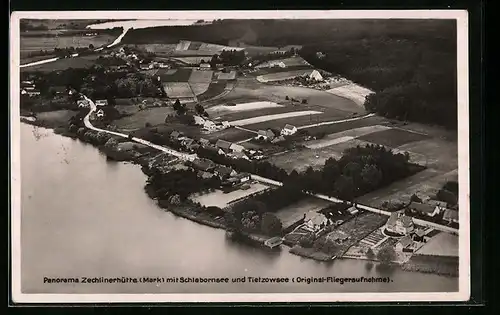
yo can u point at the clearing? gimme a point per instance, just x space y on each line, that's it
278 76
154 116
344 136
181 75
63 64
288 62
199 88
31 44
259 119
219 109
443 244
222 200
200 76
353 92
178 89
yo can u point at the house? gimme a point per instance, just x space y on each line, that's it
209 125
30 92
236 147
419 235
270 135
424 209
198 120
224 172
223 145
101 103
204 142
352 210
265 135
204 175
205 66
315 75
190 144
405 244
215 150
399 223
162 65
82 104
315 221
338 236
204 165
451 216
239 155
27 84
145 66
100 113
288 130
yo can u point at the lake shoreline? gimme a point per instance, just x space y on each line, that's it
188 211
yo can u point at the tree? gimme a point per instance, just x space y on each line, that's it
307 241
370 254
415 198
371 176
199 109
91 46
386 255
344 187
270 224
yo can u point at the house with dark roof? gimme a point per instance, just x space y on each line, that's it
405 244
204 142
314 221
419 235
239 155
265 135
399 223
424 209
224 145
224 172
450 216
175 135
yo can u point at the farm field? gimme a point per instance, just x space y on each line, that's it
199 88
439 154
157 48
230 134
181 75
278 76
392 137
351 91
200 76
226 76
301 159
241 107
250 89
234 116
27 59
154 116
214 89
178 89
193 60
64 63
293 213
35 44
344 136
259 119
289 62
443 244
222 200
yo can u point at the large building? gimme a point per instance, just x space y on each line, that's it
399 224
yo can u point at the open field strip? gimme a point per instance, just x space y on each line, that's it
443 244
242 107
182 45
336 121
282 75
178 89
259 119
217 48
289 62
200 76
344 136
61 63
294 212
193 60
199 88
221 200
353 92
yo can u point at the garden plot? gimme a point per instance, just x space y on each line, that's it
180 75
300 160
230 134
439 154
259 119
154 116
295 212
233 116
393 137
443 244
201 76
242 107
178 89
217 48
344 136
158 48
226 76
222 200
193 60
283 75
353 92
182 45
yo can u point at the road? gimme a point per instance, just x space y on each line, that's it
88 124
41 62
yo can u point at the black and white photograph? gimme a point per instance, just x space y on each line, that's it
239 156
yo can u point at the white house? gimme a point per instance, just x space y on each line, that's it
399 223
83 104
100 113
315 221
101 103
425 209
198 120
405 244
209 125
205 66
236 147
315 75
288 130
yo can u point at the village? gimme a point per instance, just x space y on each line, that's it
255 132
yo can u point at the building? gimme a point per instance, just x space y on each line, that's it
175 135
353 210
101 103
224 145
399 223
242 177
405 244
419 235
215 150
209 125
204 165
236 147
424 209
265 135
198 120
315 221
288 130
315 75
278 139
450 216
100 113
30 92
83 104
224 172
239 155
204 142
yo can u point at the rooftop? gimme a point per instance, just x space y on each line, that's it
421 207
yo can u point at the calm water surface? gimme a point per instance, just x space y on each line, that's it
82 216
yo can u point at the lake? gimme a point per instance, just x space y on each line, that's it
83 216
